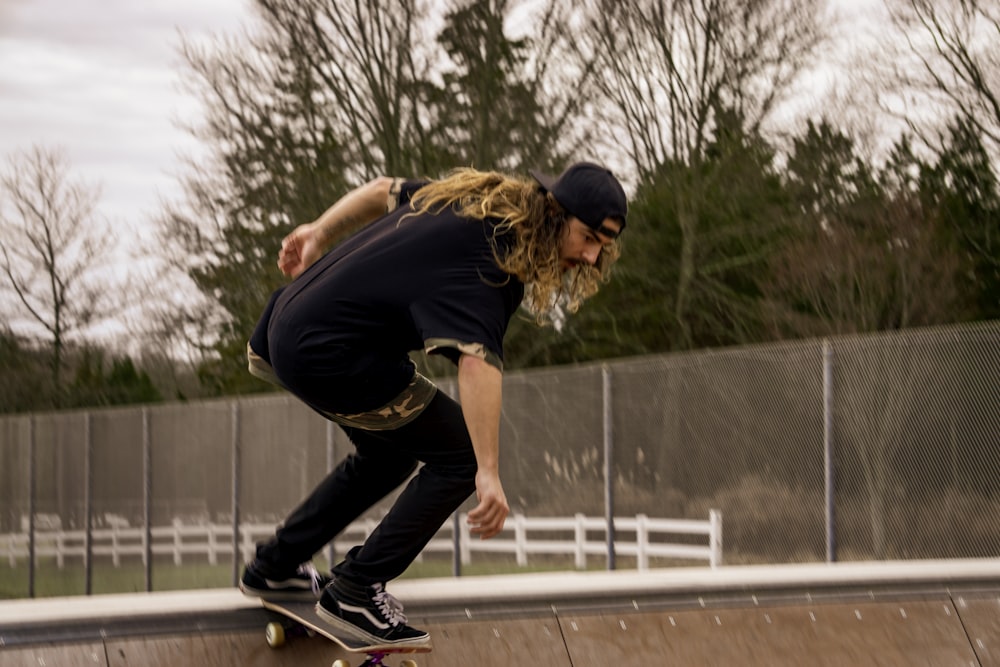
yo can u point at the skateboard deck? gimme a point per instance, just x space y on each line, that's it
301 618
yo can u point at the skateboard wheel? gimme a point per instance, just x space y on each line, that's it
341 663
408 663
275 634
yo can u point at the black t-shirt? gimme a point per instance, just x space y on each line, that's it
340 334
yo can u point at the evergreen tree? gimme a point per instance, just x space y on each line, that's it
25 380
492 113
866 254
650 305
963 189
122 384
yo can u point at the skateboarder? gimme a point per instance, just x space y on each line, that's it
434 265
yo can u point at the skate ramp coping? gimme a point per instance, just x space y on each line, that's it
906 613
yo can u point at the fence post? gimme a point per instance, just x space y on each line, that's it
32 491
463 543
642 542
147 499
331 461
520 540
715 538
236 493
580 537
213 558
829 509
116 558
609 450
88 493
456 548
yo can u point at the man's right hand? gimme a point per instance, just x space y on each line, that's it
488 517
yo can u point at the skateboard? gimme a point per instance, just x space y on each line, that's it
301 620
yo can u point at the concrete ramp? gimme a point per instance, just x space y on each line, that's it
928 613
981 620
532 641
246 648
914 633
74 655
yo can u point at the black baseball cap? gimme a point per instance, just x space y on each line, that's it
590 192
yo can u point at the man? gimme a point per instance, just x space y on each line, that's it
443 270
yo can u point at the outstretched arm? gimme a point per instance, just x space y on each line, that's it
479 388
308 242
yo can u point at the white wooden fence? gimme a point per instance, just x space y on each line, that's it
579 536
584 536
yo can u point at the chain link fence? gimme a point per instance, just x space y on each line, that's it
851 448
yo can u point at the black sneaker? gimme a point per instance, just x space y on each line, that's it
305 584
369 614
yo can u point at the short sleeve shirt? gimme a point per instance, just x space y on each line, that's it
340 334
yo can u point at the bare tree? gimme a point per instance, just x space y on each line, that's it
365 62
953 66
53 249
511 101
668 67
413 98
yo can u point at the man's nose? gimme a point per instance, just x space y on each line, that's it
590 255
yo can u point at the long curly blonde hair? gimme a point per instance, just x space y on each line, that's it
526 237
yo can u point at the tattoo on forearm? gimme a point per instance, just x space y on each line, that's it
331 234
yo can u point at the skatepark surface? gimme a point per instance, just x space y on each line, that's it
889 613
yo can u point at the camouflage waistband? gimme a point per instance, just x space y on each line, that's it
401 410
392 201
472 349
260 368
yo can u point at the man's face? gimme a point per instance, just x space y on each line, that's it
582 245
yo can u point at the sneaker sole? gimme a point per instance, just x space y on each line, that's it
277 596
354 632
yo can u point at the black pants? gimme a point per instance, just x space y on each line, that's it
382 461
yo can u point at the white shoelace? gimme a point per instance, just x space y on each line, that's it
391 608
308 570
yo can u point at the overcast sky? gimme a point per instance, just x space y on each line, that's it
100 79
